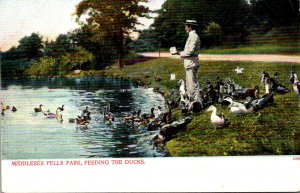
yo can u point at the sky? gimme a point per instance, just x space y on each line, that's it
49 18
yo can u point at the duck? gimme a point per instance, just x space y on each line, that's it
238 108
251 92
293 77
50 115
109 118
86 114
13 109
259 104
168 116
59 118
37 110
157 78
212 94
266 80
2 112
81 124
276 86
61 108
218 84
296 84
4 107
159 112
149 116
217 120
296 88
182 91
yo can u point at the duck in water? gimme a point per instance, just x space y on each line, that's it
108 118
14 109
39 109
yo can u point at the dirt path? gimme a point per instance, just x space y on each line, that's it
234 57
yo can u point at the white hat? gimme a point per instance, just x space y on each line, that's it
191 22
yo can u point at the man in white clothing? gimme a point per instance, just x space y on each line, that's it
191 62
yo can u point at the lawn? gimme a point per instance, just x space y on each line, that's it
274 130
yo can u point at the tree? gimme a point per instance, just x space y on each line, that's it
62 45
231 15
112 21
276 12
30 46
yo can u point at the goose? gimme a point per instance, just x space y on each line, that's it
216 120
14 109
238 108
38 109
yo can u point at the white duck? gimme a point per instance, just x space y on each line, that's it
182 90
216 120
238 108
296 83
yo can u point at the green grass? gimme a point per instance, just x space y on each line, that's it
257 49
274 130
279 40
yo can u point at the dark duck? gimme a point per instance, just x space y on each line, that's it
39 109
14 109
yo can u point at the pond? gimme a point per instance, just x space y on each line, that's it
30 135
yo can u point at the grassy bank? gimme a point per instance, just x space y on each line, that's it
273 131
257 49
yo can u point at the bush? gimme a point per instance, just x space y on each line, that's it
46 66
212 35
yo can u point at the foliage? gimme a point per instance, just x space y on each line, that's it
71 61
50 66
231 15
212 35
14 68
61 46
275 12
30 47
112 20
46 66
147 41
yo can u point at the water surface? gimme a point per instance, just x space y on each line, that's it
29 135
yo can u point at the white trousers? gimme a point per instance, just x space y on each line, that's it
192 85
